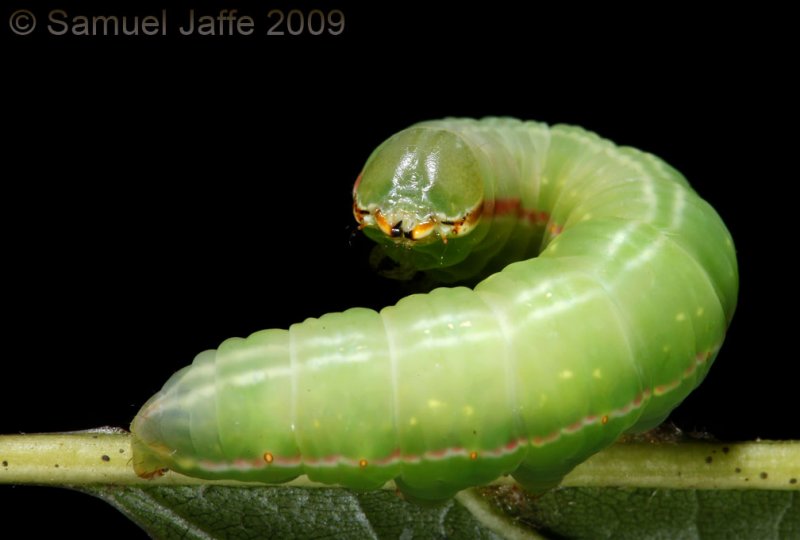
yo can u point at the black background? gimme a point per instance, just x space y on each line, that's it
163 193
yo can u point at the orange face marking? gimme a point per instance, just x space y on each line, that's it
473 455
362 463
469 220
269 458
358 213
422 230
472 218
604 420
382 223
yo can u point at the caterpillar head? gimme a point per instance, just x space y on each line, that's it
421 190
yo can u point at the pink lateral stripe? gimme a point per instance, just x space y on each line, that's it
662 389
507 449
550 437
248 464
513 206
537 217
572 428
502 207
388 460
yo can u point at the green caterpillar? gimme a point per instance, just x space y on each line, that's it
625 285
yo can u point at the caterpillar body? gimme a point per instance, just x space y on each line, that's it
625 284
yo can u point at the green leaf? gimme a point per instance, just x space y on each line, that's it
638 489
202 512
622 513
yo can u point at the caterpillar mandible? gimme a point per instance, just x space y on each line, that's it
625 283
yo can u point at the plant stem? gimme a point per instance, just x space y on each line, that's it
104 457
693 465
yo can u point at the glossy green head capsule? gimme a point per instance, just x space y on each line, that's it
422 195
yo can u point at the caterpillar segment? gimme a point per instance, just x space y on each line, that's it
610 286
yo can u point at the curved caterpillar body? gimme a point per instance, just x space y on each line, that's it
626 285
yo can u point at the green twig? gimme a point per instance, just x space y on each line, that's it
104 457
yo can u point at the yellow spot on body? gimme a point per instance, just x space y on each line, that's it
542 399
465 324
680 317
362 463
268 457
666 348
473 455
468 410
597 373
450 325
566 374
545 180
316 423
699 312
604 420
412 421
587 216
548 294
434 403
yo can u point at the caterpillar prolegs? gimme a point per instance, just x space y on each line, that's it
625 283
